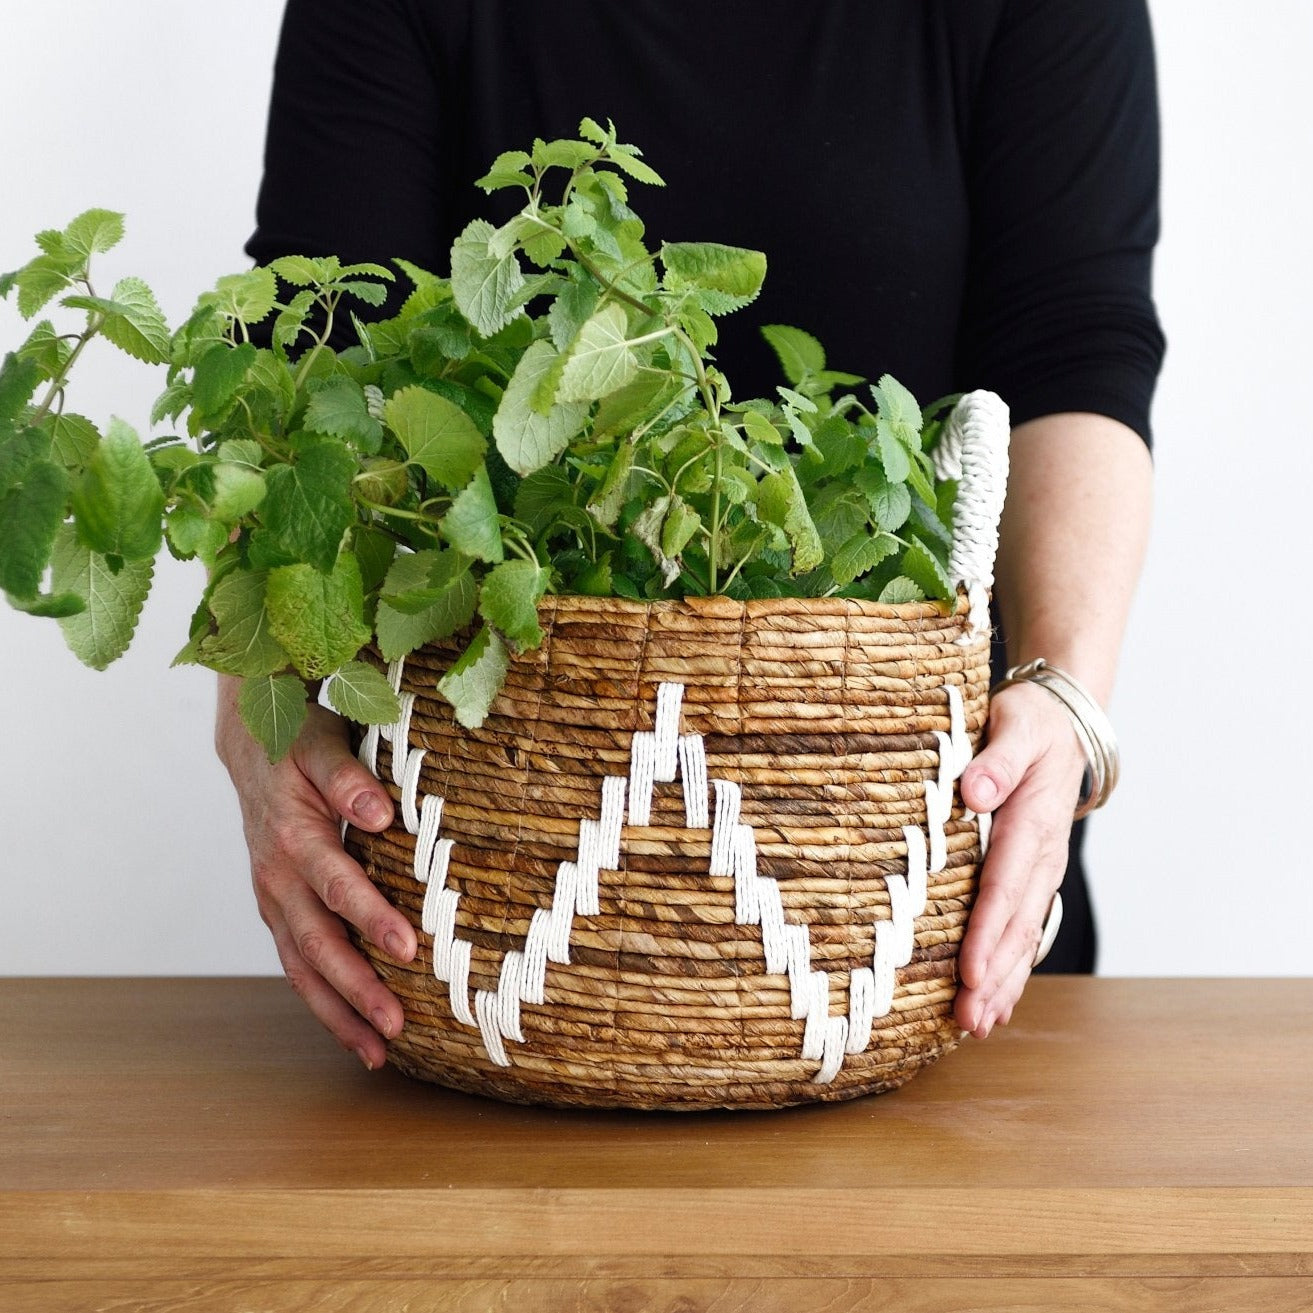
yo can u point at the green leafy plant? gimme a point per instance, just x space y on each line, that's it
549 417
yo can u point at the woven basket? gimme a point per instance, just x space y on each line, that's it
701 854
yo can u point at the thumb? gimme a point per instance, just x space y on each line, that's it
323 753
1001 765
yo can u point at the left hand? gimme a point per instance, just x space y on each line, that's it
1029 776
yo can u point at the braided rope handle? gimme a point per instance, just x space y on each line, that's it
973 449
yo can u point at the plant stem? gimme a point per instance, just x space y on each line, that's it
56 387
714 545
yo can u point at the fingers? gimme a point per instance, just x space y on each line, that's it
1029 777
325 758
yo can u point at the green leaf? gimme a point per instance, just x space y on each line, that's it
46 349
451 596
733 271
898 406
73 439
244 644
238 490
799 353
861 553
317 617
31 513
570 310
625 158
18 381
361 693
484 286
273 708
171 402
562 153
37 281
137 325
682 522
526 439
219 375
248 296
92 231
509 599
308 506
290 323
192 533
780 501
472 525
476 678
507 171
890 503
304 271
901 589
601 359
760 429
53 606
337 408
112 600
437 434
19 452
893 454
609 498
117 503
919 565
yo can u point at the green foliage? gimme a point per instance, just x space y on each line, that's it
513 429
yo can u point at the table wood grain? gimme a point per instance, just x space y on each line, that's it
201 1144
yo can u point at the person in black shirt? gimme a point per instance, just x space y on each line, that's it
962 195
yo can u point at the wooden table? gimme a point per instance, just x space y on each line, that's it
201 1144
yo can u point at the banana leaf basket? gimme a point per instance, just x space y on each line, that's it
703 853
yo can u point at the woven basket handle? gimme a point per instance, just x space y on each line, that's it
973 449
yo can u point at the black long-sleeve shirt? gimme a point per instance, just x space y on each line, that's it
962 193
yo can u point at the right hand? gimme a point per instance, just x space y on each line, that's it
306 885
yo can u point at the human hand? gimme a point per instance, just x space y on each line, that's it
306 885
1029 776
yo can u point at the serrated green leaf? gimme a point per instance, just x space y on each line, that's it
93 231
46 349
508 601
31 513
38 281
526 439
337 408
590 130
901 589
238 490
898 406
472 525
760 429
248 296
540 496
218 377
19 452
601 359
361 693
171 402
639 403
317 618
800 354
919 565
290 323
890 503
570 310
305 271
562 153
437 434
118 505
73 439
780 501
243 644
308 505
273 708
484 286
506 171
861 553
473 682
734 271
448 584
192 533
893 454
112 600
625 158
18 381
609 498
137 325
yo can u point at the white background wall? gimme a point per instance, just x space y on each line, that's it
120 843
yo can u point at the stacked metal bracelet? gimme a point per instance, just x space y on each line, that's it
1092 727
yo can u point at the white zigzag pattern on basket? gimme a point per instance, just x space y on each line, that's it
657 756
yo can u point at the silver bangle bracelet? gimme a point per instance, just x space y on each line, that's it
1093 729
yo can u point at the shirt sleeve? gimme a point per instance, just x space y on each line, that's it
1063 171
355 152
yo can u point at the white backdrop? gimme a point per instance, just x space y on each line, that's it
120 846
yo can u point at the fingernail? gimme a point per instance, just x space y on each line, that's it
369 808
986 790
366 1059
395 946
382 1022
